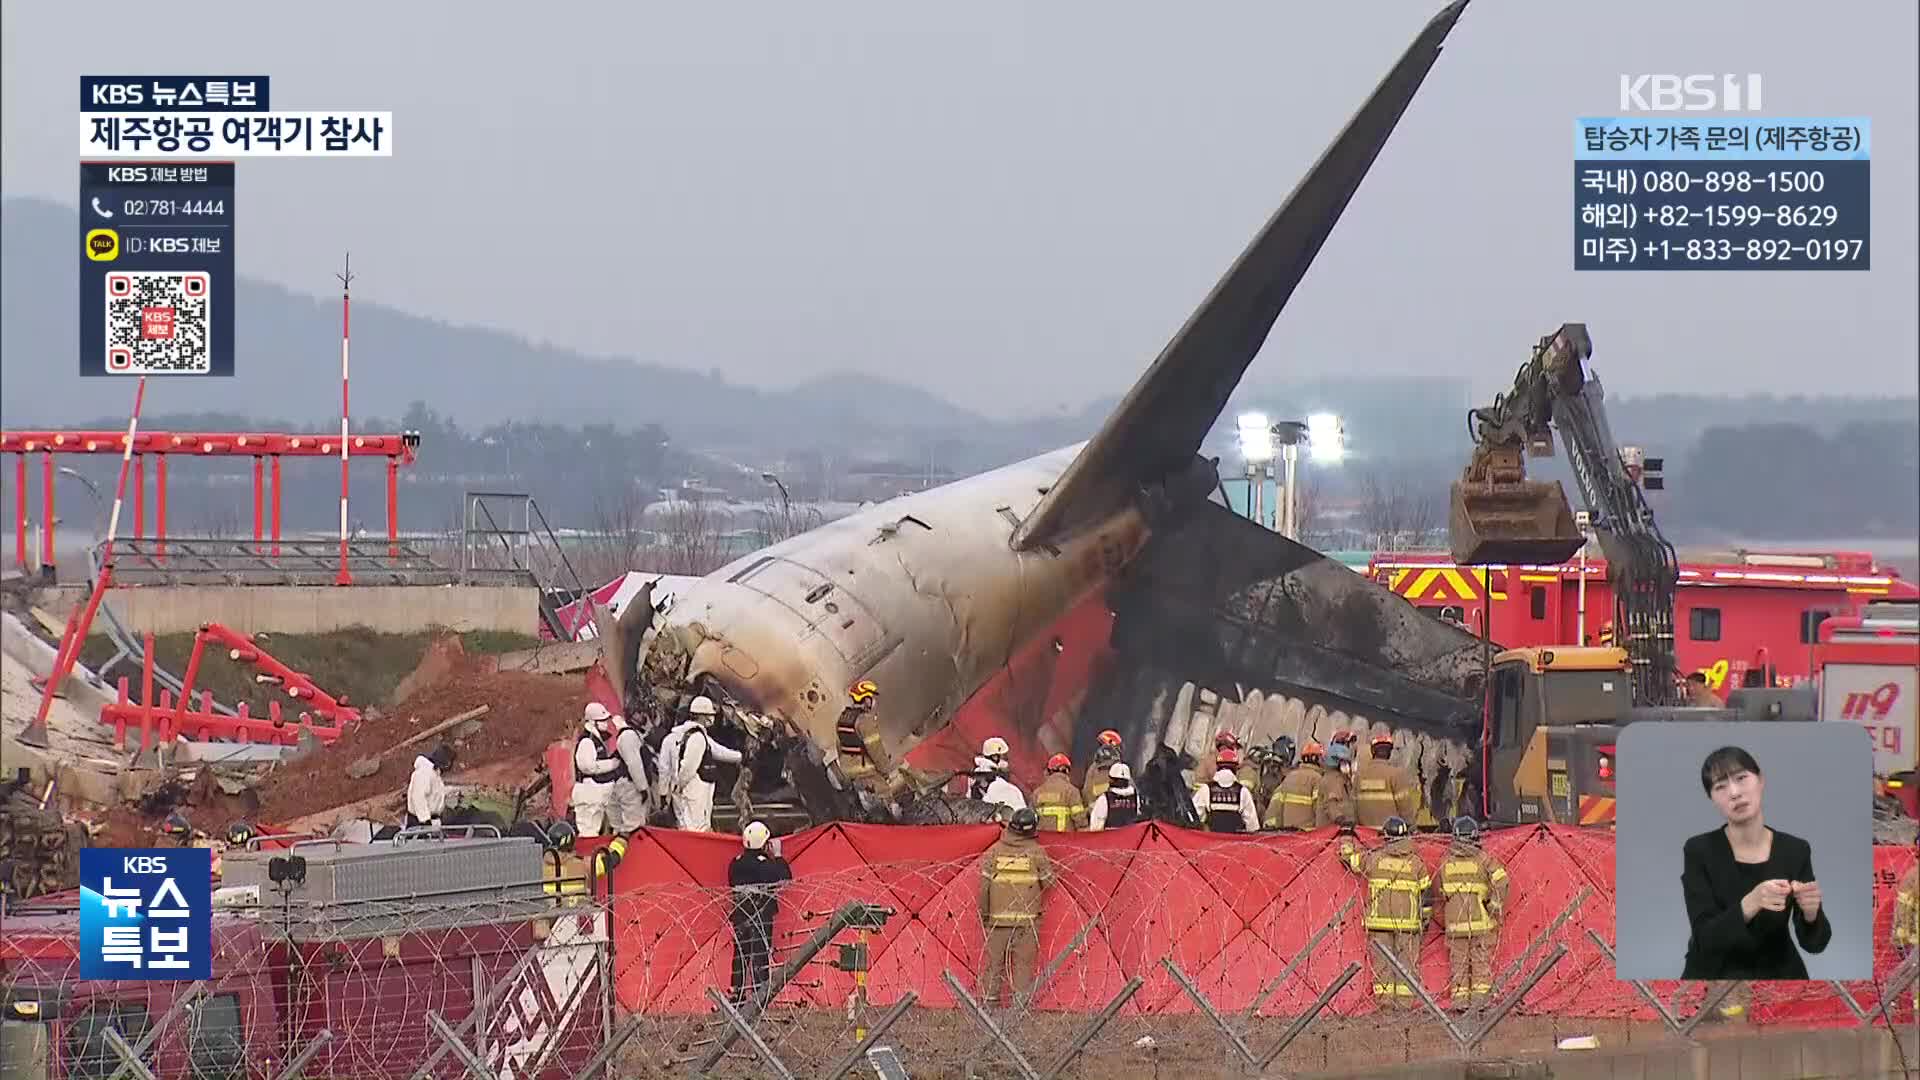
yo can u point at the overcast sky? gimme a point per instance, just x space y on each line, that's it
971 195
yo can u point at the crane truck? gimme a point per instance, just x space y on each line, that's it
1552 714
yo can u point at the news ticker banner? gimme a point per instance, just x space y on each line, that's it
146 913
1684 193
157 212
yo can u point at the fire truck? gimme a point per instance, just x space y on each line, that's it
1734 614
1867 667
338 956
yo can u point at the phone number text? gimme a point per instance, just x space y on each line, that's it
1774 251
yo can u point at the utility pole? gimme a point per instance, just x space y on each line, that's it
346 302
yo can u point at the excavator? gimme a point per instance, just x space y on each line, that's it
1552 714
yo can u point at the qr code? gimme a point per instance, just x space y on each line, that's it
158 322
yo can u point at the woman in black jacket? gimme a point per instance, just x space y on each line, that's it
1746 883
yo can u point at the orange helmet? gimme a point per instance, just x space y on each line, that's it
1345 735
1059 763
1382 739
1227 756
863 691
1225 738
1110 737
1312 750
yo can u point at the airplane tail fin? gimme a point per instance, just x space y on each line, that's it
1158 427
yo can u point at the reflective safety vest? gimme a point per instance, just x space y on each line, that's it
1397 883
1122 810
605 752
1474 889
1223 808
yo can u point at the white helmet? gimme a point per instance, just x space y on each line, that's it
1120 773
595 713
702 706
755 835
995 747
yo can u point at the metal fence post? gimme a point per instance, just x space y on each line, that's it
873 1038
180 1004
1500 1012
746 1032
1383 953
612 1047
980 1015
1684 1029
299 1060
1093 1028
458 1048
1301 1022
1267 991
1539 939
1239 1044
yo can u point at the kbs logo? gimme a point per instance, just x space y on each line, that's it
1689 93
1869 706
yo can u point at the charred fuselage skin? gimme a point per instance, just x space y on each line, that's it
923 594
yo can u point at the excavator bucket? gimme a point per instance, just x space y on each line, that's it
1518 521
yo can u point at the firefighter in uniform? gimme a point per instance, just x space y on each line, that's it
1472 896
1014 878
1106 751
1119 805
1226 804
1223 740
1906 920
1396 915
1296 802
856 758
1273 770
1336 788
1057 801
1383 789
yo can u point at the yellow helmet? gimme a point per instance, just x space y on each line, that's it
863 691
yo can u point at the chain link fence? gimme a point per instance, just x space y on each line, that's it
1222 959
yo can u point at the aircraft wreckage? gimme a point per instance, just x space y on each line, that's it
1093 587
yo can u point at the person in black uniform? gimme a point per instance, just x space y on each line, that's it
755 876
1746 883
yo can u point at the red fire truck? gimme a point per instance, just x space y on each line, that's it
344 983
1732 615
1867 668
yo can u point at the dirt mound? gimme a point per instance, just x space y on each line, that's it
525 713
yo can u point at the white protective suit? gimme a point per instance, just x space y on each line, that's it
591 797
692 797
426 793
627 803
1225 778
1005 792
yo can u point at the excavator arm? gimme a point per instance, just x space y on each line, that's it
1499 516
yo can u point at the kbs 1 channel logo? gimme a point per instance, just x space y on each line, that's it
146 913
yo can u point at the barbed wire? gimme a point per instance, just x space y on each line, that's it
1201 954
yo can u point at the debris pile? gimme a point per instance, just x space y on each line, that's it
525 712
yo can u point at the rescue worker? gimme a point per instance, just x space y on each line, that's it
1906 920
1206 767
991 782
755 876
1106 751
1295 805
596 769
1336 788
1119 805
1346 737
691 769
1014 878
427 787
1397 883
856 760
1057 800
629 797
1382 789
1273 771
1472 897
1699 693
1225 804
